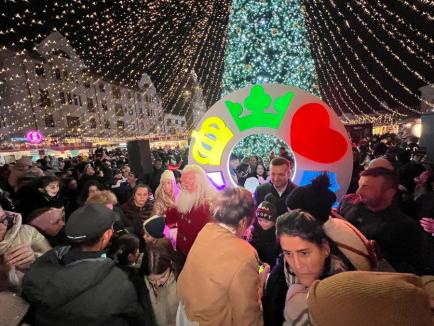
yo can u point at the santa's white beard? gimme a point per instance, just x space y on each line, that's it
187 200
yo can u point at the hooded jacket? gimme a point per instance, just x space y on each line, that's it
69 287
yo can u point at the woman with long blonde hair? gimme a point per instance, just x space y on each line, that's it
166 193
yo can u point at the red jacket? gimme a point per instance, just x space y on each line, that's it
189 225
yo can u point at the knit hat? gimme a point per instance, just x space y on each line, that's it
267 209
167 175
381 162
315 198
352 243
154 226
89 222
46 219
369 298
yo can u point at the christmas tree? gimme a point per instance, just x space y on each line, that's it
267 43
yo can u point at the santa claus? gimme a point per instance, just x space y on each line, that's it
193 207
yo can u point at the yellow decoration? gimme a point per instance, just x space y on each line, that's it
210 141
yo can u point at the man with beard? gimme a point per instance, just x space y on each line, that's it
375 212
193 207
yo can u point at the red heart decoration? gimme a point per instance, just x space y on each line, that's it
312 137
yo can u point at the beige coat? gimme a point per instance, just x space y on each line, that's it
17 235
219 282
164 301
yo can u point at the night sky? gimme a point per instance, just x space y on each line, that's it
168 39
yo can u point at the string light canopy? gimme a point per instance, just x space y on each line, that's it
364 53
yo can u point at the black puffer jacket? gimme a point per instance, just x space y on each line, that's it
69 287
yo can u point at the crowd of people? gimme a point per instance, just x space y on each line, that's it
88 241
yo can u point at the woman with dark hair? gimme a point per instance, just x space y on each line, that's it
89 188
160 269
219 283
261 174
138 209
308 257
44 192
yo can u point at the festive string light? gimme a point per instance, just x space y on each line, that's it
318 7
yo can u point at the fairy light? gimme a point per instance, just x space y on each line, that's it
357 57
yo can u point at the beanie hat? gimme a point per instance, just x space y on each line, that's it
89 222
154 226
369 298
167 175
352 243
46 219
314 198
267 209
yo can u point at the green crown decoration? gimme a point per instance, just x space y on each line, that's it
258 102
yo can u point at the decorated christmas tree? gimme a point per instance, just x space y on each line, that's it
267 43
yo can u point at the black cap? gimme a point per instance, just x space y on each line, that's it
155 226
89 222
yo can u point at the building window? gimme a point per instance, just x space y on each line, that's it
139 97
129 94
131 111
90 106
182 123
87 84
168 122
120 125
40 71
2 121
44 97
107 124
72 122
104 105
49 120
69 98
65 74
119 112
101 87
79 100
62 97
57 74
92 123
75 99
116 91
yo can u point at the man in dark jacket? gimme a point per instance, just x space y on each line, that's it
280 186
78 285
374 211
153 179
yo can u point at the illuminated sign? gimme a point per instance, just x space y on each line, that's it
312 130
34 137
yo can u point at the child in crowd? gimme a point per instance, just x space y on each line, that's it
263 231
125 251
160 270
153 229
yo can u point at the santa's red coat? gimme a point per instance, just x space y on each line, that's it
189 225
